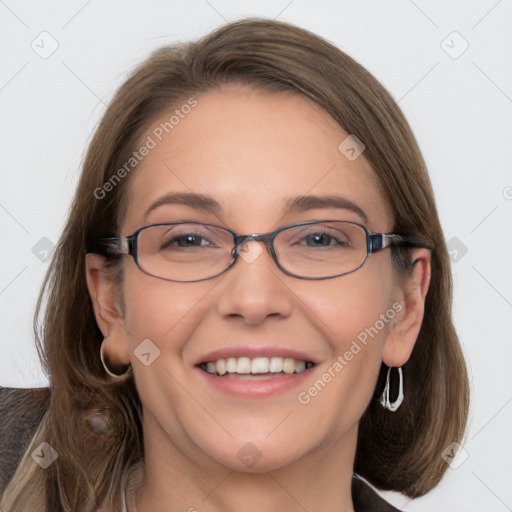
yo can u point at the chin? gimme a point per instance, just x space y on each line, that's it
256 456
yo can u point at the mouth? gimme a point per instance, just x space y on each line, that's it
257 368
254 372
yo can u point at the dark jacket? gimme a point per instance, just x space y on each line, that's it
22 409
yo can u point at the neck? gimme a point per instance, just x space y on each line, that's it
317 482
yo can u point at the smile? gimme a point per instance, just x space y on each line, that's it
257 367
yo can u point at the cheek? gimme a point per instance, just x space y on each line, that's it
163 311
166 313
350 306
354 314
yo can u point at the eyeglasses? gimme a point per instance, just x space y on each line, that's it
194 251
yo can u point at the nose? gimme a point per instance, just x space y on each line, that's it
254 288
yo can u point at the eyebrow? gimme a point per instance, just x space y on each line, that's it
196 201
292 205
310 202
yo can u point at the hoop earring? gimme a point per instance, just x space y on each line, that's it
384 400
115 376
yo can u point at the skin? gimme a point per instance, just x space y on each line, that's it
250 150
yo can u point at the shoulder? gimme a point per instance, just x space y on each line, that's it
366 499
21 411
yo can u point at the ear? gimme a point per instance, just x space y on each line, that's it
107 310
403 332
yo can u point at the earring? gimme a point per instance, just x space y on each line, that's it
115 376
393 406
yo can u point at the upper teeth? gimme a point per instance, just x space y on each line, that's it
257 365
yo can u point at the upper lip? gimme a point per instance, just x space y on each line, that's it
252 352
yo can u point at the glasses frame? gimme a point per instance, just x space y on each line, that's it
117 246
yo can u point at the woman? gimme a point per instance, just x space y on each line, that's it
263 315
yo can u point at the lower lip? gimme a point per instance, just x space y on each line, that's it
263 388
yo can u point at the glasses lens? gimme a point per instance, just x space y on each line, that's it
325 249
184 252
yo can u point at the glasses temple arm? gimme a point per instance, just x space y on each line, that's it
379 241
111 246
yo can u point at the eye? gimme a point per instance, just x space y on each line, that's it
185 240
186 237
320 240
324 238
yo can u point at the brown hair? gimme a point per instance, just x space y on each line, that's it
396 451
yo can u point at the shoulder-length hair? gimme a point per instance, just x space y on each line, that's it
399 451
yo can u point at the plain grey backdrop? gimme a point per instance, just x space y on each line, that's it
448 65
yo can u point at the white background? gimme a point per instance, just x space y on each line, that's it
460 110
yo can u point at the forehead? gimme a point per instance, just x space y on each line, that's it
254 152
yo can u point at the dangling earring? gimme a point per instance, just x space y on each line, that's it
393 406
115 376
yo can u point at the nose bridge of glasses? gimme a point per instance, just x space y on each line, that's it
241 240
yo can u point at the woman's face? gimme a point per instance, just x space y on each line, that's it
254 152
